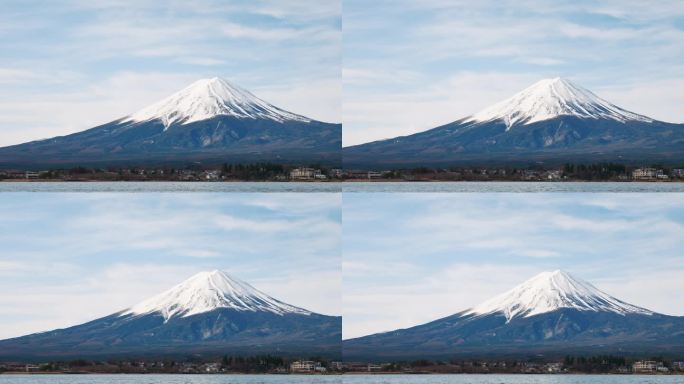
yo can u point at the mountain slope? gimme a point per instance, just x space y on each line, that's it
209 98
210 121
550 291
553 313
552 121
211 313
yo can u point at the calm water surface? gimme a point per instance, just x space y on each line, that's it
353 379
510 186
350 187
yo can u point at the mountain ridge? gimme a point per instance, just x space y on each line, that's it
207 291
207 98
549 291
550 98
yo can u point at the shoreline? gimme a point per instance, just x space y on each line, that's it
348 373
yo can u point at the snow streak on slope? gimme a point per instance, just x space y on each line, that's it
549 291
551 98
207 291
208 98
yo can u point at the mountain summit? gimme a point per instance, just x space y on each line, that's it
207 98
550 291
553 313
207 291
551 98
553 121
210 313
212 121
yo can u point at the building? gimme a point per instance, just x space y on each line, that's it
305 366
32 368
211 368
646 366
678 365
552 175
211 175
649 174
364 175
306 174
554 367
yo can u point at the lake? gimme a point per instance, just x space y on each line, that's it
336 187
353 379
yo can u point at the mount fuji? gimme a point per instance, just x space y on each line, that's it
210 121
211 313
553 313
553 121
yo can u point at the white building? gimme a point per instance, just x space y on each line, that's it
646 366
307 174
649 174
305 366
32 175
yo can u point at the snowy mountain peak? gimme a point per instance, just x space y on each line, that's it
207 98
207 291
551 98
549 291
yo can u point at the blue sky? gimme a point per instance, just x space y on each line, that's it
411 258
70 65
69 258
413 65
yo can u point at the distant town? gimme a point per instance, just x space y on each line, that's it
226 365
316 366
568 365
317 173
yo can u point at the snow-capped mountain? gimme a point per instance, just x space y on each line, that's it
553 121
211 121
550 98
552 313
207 98
550 291
210 313
207 291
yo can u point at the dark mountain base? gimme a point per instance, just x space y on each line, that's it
216 333
552 142
213 141
553 334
